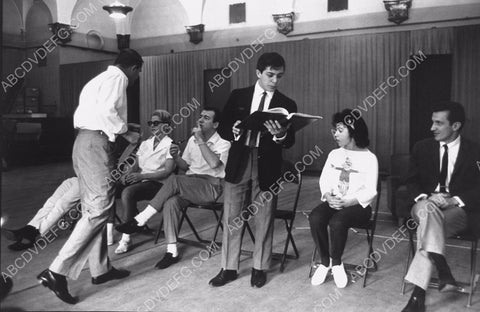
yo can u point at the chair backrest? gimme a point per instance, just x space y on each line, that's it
377 204
399 164
288 167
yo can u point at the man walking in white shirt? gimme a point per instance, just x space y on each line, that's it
100 117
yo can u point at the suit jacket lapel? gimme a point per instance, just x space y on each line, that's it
248 99
461 159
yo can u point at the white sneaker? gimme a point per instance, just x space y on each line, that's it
339 276
123 247
320 275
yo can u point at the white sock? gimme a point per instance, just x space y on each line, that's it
110 232
146 214
126 237
172 248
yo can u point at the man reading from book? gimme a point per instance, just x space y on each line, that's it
254 164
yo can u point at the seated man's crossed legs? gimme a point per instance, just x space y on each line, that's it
434 225
177 193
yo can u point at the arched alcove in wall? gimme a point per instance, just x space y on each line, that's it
11 13
158 18
88 15
36 24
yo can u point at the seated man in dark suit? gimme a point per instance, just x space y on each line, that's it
444 182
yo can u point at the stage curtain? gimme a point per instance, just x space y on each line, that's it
466 77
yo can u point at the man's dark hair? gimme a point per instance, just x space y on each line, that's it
217 116
272 59
357 128
455 110
127 58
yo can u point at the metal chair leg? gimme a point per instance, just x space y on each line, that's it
473 267
312 262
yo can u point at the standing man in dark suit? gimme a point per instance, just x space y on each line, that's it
253 166
444 182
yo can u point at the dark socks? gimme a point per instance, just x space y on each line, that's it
336 261
443 269
419 293
325 261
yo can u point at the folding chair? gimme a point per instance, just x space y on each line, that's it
200 242
466 288
288 216
369 227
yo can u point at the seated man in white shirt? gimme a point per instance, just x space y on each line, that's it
204 161
154 164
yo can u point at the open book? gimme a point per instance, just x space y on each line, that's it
297 120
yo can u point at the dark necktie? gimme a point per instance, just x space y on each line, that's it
156 141
442 179
253 133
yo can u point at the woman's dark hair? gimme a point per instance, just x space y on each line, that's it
357 128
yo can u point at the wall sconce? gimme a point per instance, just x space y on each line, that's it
62 31
284 22
117 10
196 33
397 10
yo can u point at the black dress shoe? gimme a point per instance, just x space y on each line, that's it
19 246
58 284
12 235
414 305
110 275
224 277
167 261
129 227
27 232
259 278
6 285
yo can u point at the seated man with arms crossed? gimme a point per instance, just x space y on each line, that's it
204 161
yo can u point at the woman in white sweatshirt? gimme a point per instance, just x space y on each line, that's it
348 185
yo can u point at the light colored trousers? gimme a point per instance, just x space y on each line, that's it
247 195
93 162
178 192
65 197
434 226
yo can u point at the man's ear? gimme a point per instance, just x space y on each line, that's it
456 125
215 124
259 73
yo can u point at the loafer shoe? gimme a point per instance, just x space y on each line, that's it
19 246
258 278
167 261
58 284
129 227
339 276
110 275
123 246
224 277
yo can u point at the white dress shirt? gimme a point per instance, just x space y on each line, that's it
152 160
103 104
453 148
198 165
